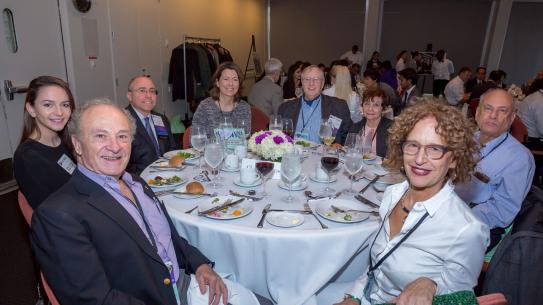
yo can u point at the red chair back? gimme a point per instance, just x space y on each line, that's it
492 299
27 211
473 104
186 138
518 130
259 120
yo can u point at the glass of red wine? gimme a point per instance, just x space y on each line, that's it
264 168
329 162
288 127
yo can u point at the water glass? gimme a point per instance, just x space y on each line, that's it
291 169
214 153
353 164
198 139
276 122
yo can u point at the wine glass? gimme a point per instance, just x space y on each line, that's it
244 124
366 143
351 141
198 137
291 169
288 127
326 133
264 168
276 122
353 163
214 152
329 162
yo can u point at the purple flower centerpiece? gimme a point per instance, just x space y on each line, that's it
270 144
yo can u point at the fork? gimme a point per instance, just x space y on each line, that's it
190 211
307 208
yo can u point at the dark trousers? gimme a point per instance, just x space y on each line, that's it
439 86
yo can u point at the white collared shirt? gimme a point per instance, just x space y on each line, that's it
448 247
454 91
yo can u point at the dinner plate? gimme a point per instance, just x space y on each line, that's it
309 144
185 196
239 210
312 177
285 219
301 186
324 209
165 175
238 182
170 154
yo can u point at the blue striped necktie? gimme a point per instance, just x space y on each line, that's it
152 135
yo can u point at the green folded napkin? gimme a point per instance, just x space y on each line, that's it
176 125
466 297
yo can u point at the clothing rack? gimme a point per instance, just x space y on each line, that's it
193 39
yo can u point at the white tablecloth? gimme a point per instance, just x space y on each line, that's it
287 265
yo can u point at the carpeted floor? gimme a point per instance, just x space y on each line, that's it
16 262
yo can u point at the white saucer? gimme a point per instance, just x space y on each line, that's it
285 219
300 187
237 182
312 177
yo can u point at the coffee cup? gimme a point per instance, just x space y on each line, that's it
231 161
320 173
241 151
248 175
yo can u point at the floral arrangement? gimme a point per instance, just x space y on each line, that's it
516 92
270 144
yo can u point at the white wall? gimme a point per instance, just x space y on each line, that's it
522 55
145 32
317 31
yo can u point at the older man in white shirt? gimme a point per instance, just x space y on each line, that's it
454 91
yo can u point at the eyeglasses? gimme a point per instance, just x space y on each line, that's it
145 91
433 151
312 80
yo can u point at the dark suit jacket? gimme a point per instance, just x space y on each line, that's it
93 252
399 105
470 84
330 106
382 134
143 150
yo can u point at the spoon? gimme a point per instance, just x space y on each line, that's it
310 195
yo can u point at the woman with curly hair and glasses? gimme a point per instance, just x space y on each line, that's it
429 242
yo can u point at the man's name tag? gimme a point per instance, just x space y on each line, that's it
301 135
160 128
66 163
335 122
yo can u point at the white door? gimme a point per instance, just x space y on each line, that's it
30 46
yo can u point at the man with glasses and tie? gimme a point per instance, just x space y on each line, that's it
153 134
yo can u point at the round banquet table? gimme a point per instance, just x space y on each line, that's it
288 265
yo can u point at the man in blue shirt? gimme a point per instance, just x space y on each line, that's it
307 111
504 173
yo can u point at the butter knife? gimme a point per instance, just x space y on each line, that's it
225 205
289 211
369 184
366 201
264 212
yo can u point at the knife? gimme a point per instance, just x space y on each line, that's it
264 212
226 204
245 196
289 211
369 184
366 201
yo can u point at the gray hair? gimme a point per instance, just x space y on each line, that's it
273 65
313 67
487 92
74 127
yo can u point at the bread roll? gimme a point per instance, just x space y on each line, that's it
176 161
195 187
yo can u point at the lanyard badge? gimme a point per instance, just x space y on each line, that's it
169 265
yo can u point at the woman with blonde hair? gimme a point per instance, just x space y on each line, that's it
341 88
